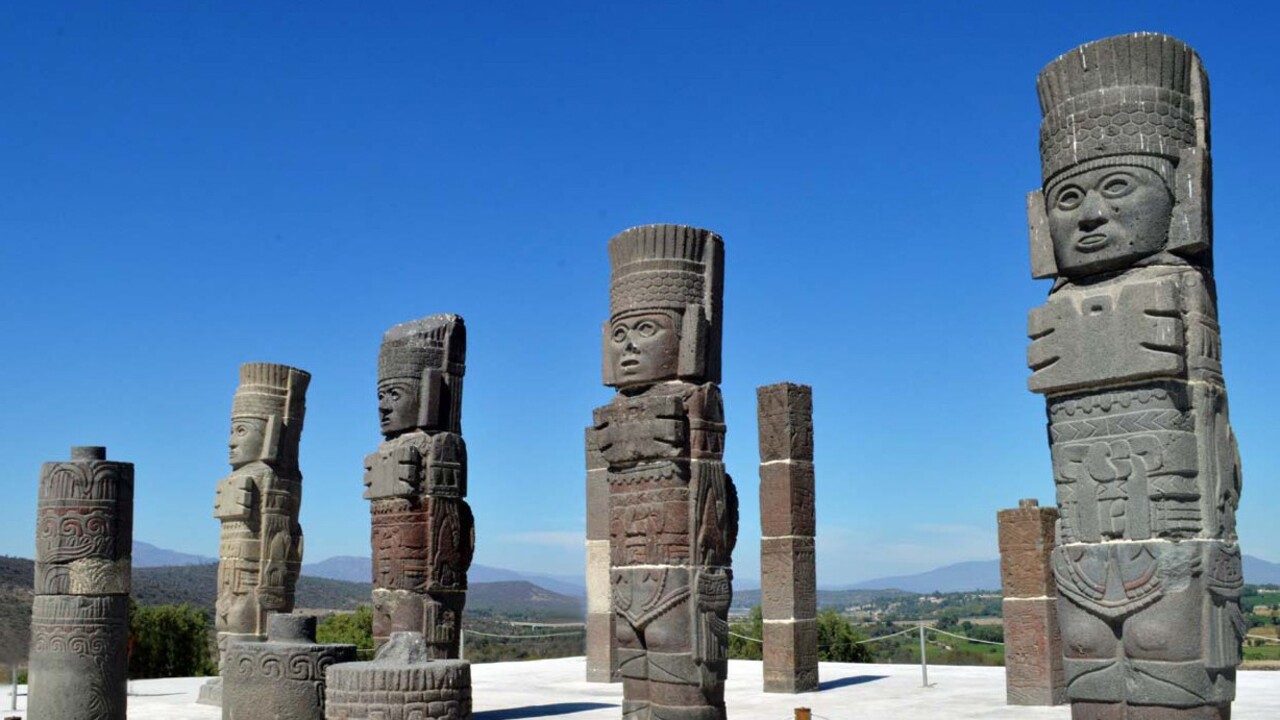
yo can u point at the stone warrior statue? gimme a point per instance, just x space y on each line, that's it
261 551
423 530
1127 354
673 511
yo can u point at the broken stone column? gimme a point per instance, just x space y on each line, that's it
423 533
260 555
788 574
673 510
1128 356
402 682
1032 643
283 677
80 614
602 656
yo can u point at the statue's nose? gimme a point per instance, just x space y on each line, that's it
1092 213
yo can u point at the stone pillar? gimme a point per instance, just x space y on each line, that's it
80 614
401 683
673 510
602 656
1033 646
423 533
260 554
1128 356
788 575
283 677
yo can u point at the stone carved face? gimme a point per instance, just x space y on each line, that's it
644 348
247 436
397 406
1108 218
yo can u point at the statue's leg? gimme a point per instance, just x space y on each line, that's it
1091 651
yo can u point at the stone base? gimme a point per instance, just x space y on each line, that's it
211 693
1033 652
1121 711
602 656
399 684
791 656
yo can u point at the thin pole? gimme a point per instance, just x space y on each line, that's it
13 669
462 643
924 664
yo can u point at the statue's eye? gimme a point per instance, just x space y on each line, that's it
1069 198
1117 185
395 395
647 328
619 334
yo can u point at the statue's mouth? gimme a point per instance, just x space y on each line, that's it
1092 243
629 362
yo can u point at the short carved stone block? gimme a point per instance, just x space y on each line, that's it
1026 541
791 656
1033 652
282 678
785 414
401 683
788 563
787 498
79 658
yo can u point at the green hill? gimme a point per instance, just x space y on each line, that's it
197 585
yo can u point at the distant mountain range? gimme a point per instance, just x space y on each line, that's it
359 569
985 575
958 577
351 568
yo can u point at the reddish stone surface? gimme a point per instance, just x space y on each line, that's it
1026 541
791 656
786 499
1033 652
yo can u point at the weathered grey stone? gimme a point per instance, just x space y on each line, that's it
402 682
80 613
283 677
258 503
673 510
1128 355
423 532
79 657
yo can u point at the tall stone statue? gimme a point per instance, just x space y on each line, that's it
261 549
1127 354
80 614
423 531
673 510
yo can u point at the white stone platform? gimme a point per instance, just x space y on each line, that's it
555 688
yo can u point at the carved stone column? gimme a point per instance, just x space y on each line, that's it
80 614
1127 354
673 510
423 533
788 575
1033 645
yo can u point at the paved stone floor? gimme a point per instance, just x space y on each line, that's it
554 688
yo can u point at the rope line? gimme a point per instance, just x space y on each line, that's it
962 637
1262 637
520 637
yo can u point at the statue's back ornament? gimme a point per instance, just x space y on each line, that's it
1127 354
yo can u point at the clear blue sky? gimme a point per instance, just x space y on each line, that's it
188 186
